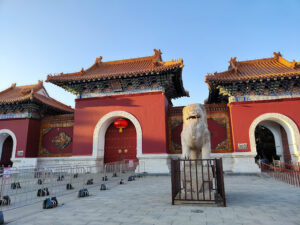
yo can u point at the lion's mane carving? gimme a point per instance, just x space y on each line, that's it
195 136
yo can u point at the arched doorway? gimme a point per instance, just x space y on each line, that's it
7 149
265 145
120 145
102 126
285 132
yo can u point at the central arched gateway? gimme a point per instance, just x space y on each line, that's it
102 126
120 145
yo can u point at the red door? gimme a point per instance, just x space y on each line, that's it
6 152
116 142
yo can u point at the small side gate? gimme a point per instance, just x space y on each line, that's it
197 181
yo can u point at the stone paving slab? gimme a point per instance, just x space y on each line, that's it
252 200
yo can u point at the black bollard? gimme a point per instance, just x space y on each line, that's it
69 187
5 200
60 178
83 193
1 218
103 187
90 182
131 178
43 192
50 203
15 185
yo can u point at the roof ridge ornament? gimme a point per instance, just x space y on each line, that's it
277 55
31 93
181 62
82 71
40 84
294 64
98 60
156 57
233 65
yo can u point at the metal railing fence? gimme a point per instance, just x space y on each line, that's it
197 181
289 166
286 173
25 186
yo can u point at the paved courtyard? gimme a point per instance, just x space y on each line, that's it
251 200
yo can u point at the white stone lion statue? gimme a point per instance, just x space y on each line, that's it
195 136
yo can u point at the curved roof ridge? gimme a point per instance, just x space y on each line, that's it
263 68
56 104
99 61
123 61
8 89
256 60
96 64
119 68
30 93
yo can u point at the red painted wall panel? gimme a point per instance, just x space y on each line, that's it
148 108
21 128
242 114
48 142
218 133
33 138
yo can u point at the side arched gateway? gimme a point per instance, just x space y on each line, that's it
102 126
289 126
8 143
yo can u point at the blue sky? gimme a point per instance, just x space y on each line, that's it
42 37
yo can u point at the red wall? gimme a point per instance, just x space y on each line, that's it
148 108
33 138
20 127
242 114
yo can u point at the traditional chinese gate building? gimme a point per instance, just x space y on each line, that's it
139 90
262 92
22 109
38 130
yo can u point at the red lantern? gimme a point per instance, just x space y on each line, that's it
121 123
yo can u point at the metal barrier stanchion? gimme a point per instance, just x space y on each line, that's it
27 185
84 191
51 201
